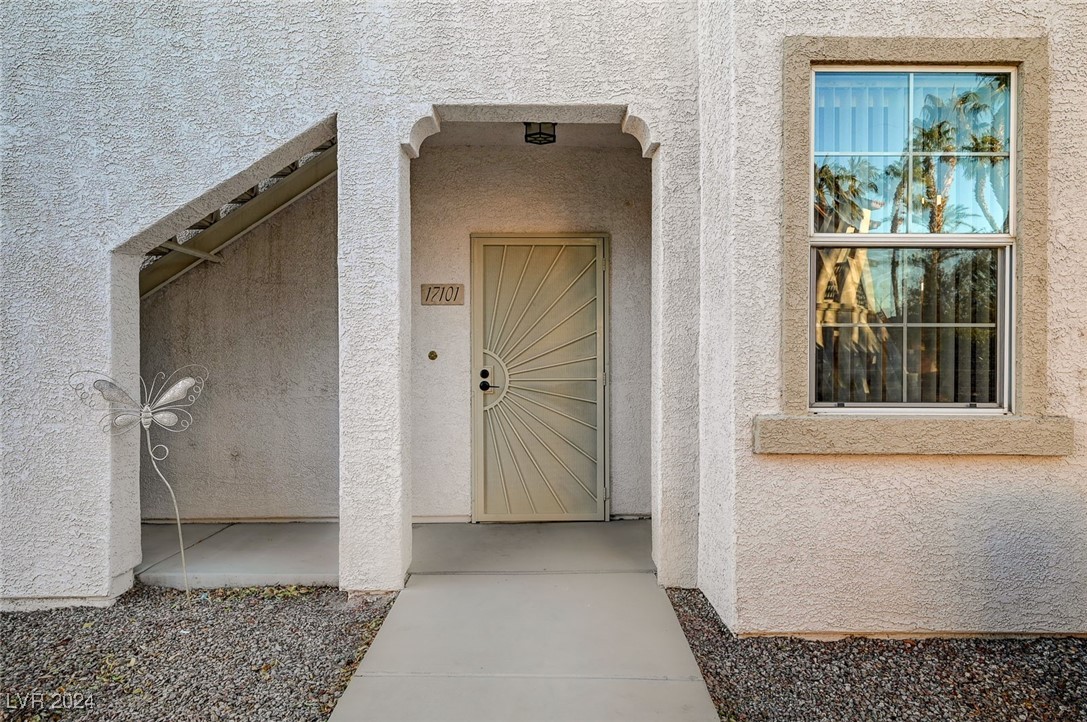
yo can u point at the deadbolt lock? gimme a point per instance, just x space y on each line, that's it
485 385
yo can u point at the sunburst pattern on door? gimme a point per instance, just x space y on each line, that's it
538 358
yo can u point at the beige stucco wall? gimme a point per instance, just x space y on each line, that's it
123 128
264 441
718 336
127 123
459 190
879 543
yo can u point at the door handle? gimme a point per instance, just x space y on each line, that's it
487 386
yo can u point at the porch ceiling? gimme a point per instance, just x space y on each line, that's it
569 135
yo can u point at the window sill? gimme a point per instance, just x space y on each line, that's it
914 434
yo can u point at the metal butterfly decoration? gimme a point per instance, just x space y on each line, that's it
164 405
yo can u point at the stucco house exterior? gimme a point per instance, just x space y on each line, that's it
804 283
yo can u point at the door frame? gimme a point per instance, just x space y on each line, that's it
602 241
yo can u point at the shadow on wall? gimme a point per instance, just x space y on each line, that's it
1020 562
265 322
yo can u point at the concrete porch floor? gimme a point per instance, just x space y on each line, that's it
558 621
248 554
241 555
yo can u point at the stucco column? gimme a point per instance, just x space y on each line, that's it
675 379
375 340
69 495
718 333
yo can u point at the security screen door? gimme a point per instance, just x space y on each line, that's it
538 378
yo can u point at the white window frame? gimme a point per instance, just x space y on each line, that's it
1004 242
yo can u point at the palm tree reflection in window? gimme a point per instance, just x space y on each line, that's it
845 196
989 170
851 191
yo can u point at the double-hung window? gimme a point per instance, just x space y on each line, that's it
912 237
915 242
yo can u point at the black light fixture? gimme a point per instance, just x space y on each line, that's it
540 133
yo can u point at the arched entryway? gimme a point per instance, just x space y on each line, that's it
672 505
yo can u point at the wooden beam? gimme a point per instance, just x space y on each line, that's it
232 226
171 246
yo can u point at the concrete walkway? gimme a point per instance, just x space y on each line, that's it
529 622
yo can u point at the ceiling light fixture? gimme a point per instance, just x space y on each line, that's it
540 133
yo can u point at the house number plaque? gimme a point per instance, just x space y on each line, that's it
443 294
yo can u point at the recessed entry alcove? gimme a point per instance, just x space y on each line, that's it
552 247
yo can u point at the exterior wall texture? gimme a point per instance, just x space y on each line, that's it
122 127
718 336
785 543
524 190
264 441
909 544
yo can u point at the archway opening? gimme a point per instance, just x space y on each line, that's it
481 177
249 292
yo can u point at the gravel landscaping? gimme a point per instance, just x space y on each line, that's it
275 653
770 678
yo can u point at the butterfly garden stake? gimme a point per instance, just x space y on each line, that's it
165 406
